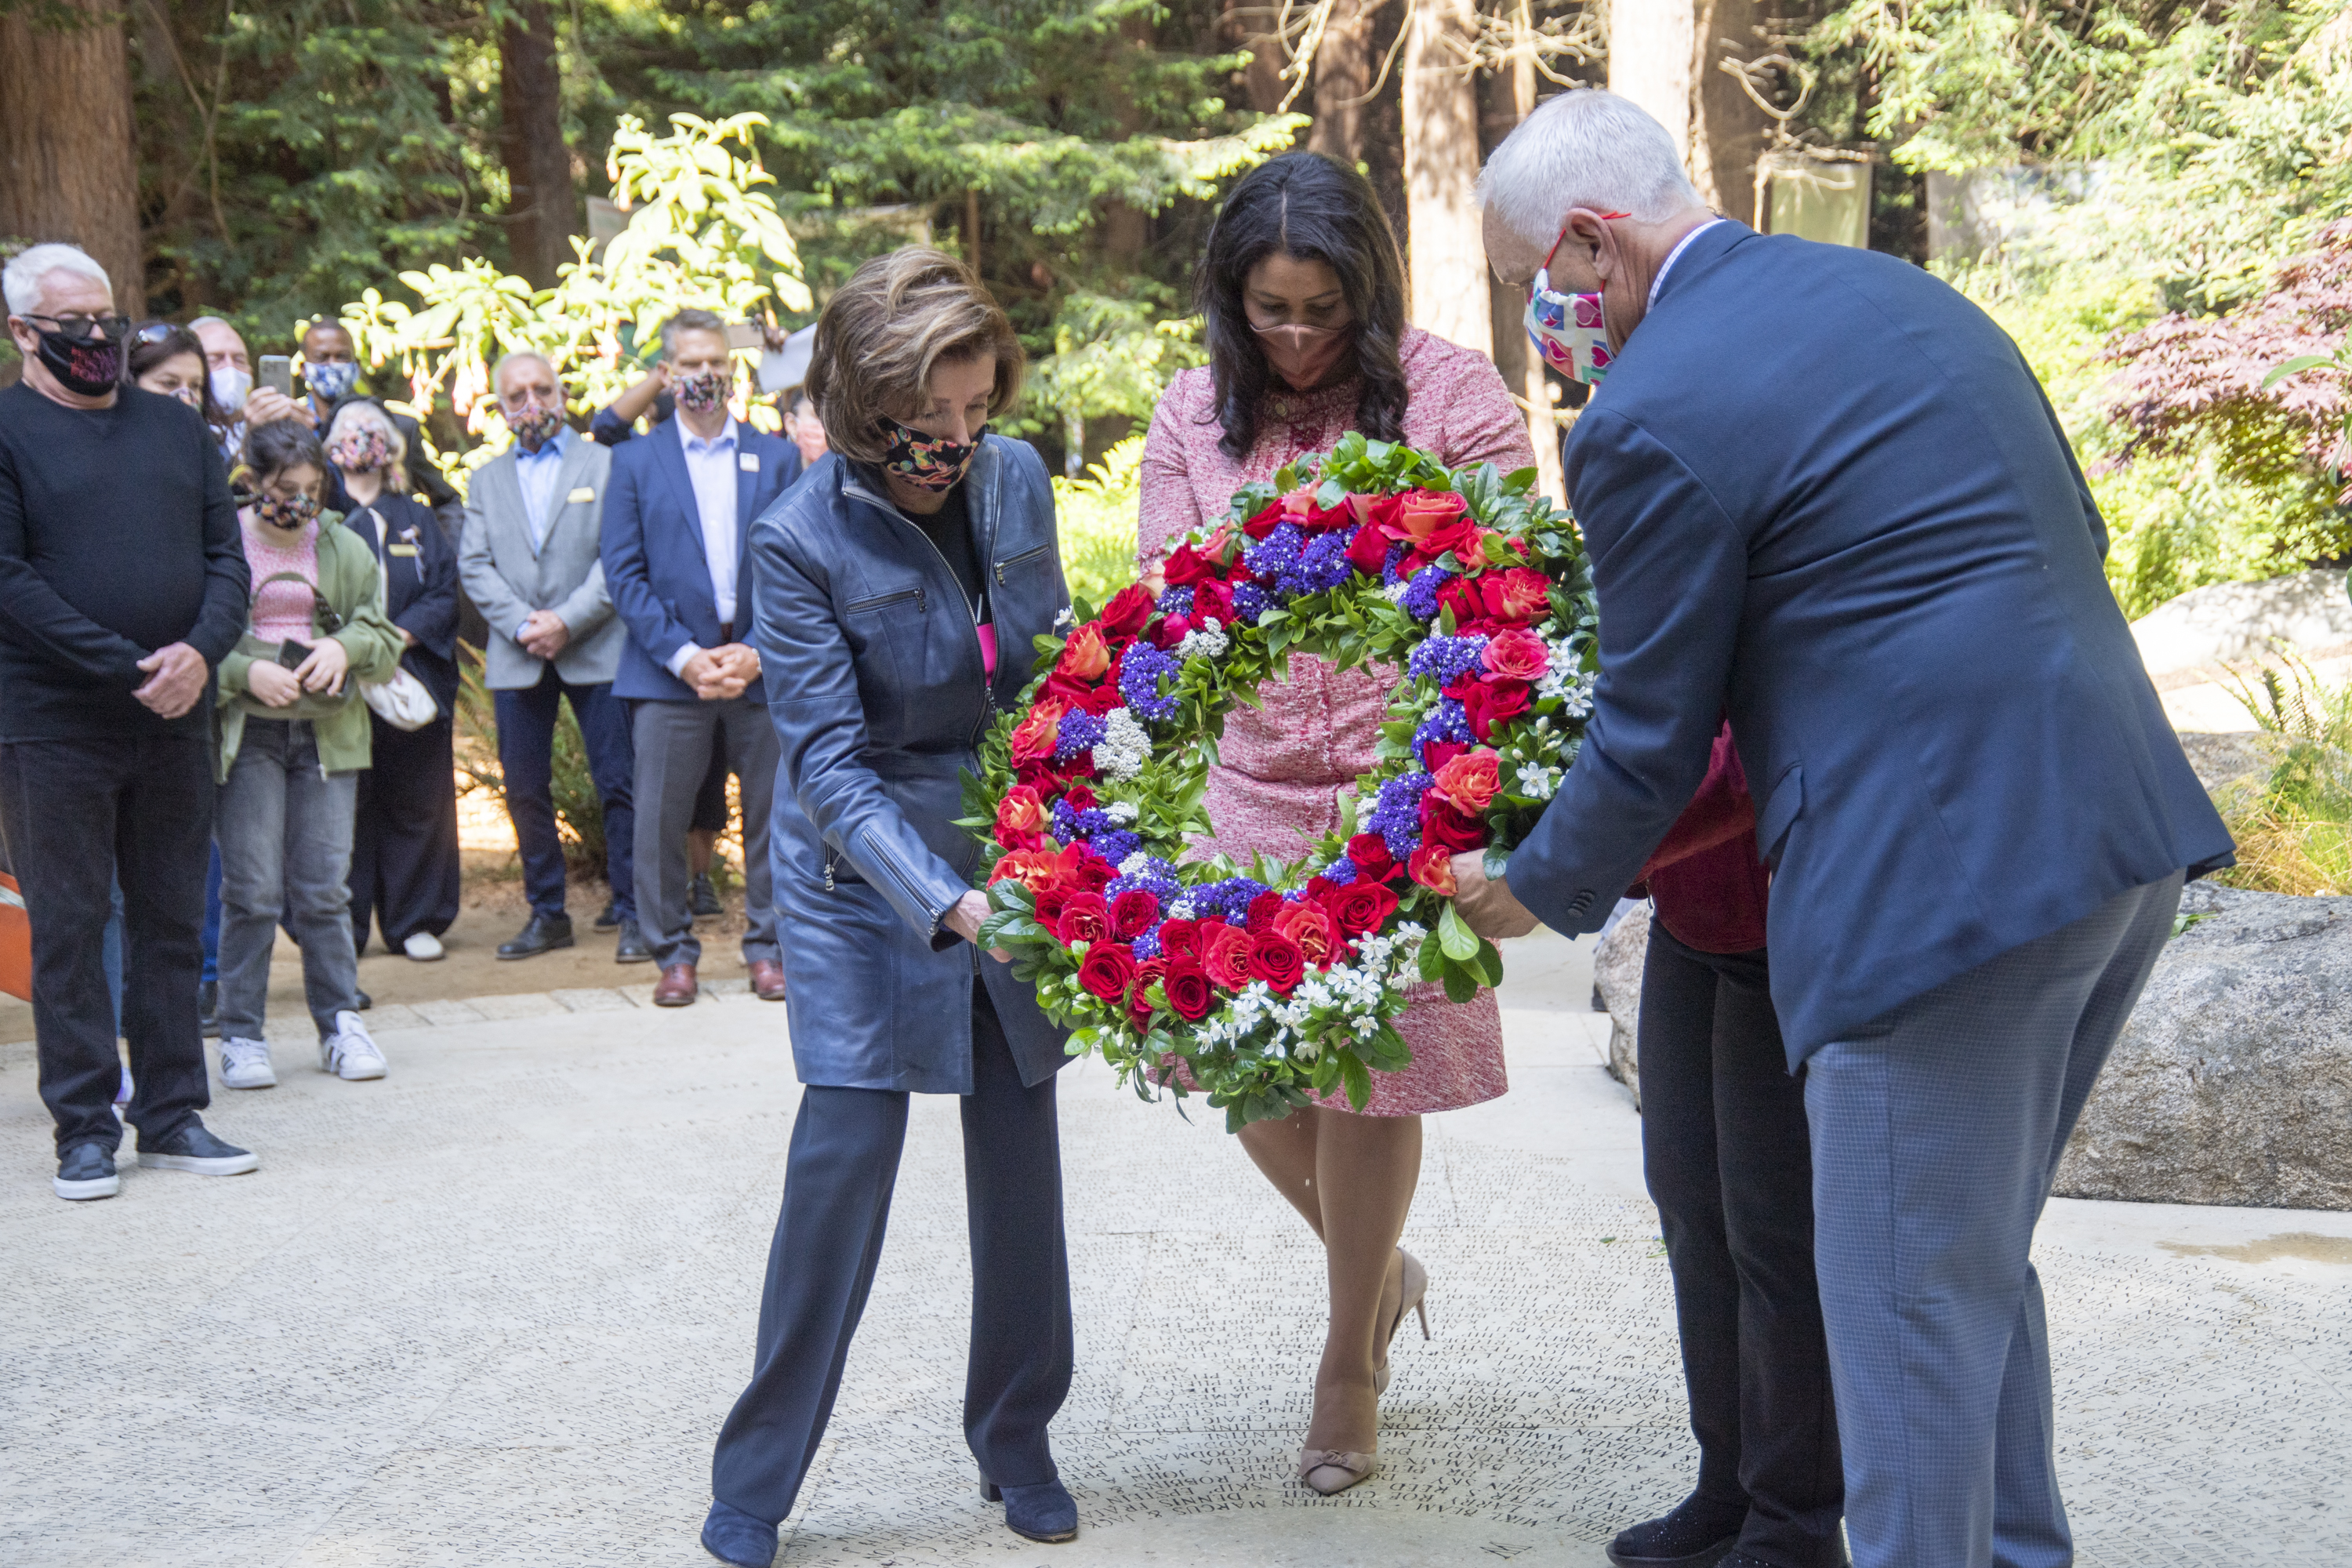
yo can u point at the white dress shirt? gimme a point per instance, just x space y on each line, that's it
711 466
1673 255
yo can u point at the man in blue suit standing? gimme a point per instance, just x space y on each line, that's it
674 531
1823 494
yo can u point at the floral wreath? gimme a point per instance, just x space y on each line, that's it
1274 982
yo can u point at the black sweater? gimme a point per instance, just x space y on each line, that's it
117 538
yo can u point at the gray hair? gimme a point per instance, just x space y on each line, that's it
21 282
1584 149
689 321
499 371
360 412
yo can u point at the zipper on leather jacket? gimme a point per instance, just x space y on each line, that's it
828 870
1023 559
862 605
987 704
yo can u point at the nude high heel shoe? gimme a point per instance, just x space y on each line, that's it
1330 1471
1414 1297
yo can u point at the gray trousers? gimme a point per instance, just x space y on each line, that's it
285 834
674 745
1936 1132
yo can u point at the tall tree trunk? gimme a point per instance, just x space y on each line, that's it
1728 129
1343 77
1242 26
1442 251
1535 387
1651 47
68 166
1127 229
531 137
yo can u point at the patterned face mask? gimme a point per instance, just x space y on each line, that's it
927 462
1569 330
360 452
535 426
292 515
704 390
331 378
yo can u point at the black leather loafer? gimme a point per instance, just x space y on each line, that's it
541 934
1699 1533
630 947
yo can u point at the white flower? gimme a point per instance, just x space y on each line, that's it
1135 865
1068 617
1206 640
1122 812
1183 909
1536 781
1125 746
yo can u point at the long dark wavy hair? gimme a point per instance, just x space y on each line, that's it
1317 209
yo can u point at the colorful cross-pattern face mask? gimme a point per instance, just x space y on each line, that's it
290 514
331 379
535 426
1569 330
702 390
360 452
927 462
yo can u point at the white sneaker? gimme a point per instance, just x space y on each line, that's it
244 1064
351 1052
424 947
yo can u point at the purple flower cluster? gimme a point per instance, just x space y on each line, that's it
1448 722
1322 566
1139 670
1230 899
1077 733
1118 844
1448 659
1157 878
1420 600
1177 601
1339 872
1069 825
1250 602
1278 553
1146 946
1393 568
1396 814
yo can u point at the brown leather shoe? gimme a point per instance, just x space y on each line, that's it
768 980
677 987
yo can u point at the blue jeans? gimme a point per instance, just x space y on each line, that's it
527 718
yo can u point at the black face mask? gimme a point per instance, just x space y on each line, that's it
91 365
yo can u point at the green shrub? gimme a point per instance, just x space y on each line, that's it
579 810
1097 520
2293 821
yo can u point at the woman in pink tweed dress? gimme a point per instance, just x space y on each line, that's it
1304 296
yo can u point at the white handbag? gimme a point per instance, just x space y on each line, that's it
402 701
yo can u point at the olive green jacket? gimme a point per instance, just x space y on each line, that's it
349 582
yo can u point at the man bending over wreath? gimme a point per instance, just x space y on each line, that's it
1824 496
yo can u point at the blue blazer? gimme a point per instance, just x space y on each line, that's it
654 568
880 703
1822 490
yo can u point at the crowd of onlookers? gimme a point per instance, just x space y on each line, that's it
230 669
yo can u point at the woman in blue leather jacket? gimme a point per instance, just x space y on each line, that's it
899 586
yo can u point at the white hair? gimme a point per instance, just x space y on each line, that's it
499 371
358 411
22 280
1584 149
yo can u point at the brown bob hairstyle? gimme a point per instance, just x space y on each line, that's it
883 331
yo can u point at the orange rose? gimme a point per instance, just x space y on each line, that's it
1021 818
1085 656
1309 925
1432 867
1467 784
1033 868
1033 740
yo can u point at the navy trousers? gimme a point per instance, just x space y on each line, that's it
1729 1164
527 718
1936 1132
837 1185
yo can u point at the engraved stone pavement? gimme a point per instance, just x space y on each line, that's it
490 1310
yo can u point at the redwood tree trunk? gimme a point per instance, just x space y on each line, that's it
1446 259
531 137
1343 76
1728 130
68 165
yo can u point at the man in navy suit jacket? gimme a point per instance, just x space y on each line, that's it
677 521
1824 493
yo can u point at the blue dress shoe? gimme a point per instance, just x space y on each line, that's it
733 1536
1045 1513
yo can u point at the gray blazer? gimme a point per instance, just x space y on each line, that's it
507 580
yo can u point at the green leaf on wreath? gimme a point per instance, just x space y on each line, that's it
1490 962
1461 985
1496 863
1458 941
1360 1080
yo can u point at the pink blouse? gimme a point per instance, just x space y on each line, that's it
283 610
1284 764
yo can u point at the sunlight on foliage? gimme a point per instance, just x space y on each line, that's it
1098 523
2294 822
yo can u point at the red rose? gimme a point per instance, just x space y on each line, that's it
1435 754
1275 959
1133 913
1369 551
1186 564
1468 783
1138 1005
1311 930
1517 595
1432 867
1262 911
1084 918
1224 953
1189 993
1033 739
1107 970
1369 851
1213 600
1447 828
1127 610
1377 511
1461 596
1051 901
1180 939
1085 656
1461 538
1170 632
1080 797
1516 654
1020 819
1361 907
1090 871
1269 516
1488 703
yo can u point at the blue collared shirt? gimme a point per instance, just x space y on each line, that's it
711 466
536 472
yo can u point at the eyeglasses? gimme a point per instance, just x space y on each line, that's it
84 329
154 333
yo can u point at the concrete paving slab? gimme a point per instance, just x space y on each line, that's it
491 1310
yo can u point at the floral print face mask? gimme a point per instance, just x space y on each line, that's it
361 451
291 515
703 391
927 462
535 426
